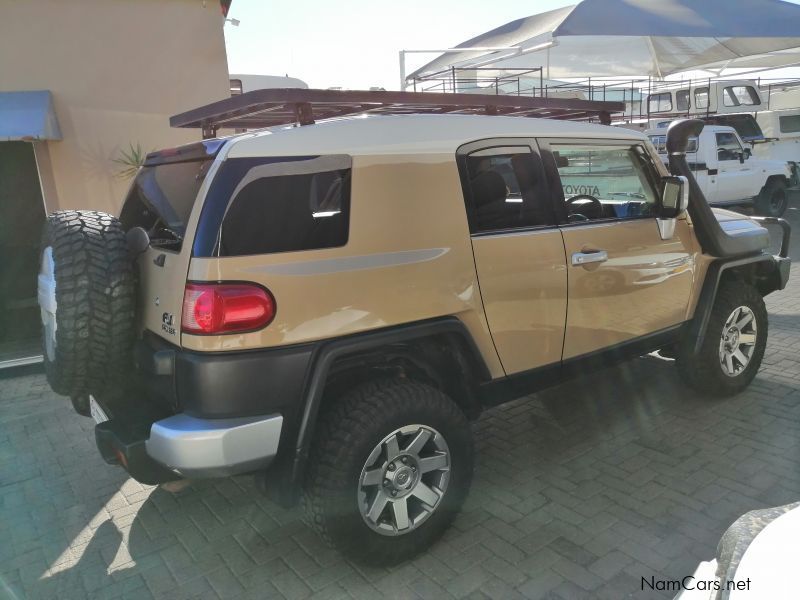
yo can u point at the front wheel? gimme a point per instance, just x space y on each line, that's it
773 199
734 343
390 469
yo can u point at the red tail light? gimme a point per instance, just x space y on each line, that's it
213 308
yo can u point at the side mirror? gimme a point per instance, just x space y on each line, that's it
674 197
741 157
747 153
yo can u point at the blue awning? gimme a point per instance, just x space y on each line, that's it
28 116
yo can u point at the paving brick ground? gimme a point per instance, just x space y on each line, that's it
579 493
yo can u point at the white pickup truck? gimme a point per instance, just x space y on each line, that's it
727 172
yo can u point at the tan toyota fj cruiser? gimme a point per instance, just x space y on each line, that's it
329 305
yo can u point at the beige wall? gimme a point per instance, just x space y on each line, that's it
118 69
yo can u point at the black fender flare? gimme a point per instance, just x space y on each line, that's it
328 352
705 303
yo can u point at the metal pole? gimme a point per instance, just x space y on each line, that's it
453 76
541 82
403 71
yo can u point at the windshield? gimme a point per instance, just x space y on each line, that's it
161 200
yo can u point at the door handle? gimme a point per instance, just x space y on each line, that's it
591 256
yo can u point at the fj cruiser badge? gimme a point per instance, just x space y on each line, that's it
167 323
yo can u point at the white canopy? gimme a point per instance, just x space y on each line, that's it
638 37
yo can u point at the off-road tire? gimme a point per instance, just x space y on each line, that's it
347 431
96 302
773 199
703 370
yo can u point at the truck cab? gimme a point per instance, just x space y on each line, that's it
727 171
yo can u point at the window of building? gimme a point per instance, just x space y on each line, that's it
728 147
701 97
739 95
605 181
682 99
506 190
660 102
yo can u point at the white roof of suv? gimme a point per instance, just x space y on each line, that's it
409 134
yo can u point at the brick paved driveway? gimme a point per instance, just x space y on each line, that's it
580 492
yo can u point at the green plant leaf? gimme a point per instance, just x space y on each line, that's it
130 160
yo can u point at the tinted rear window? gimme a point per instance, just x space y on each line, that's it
161 200
268 205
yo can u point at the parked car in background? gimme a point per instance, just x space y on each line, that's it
728 172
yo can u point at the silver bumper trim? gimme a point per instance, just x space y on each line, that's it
195 447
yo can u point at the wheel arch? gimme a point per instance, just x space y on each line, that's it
440 352
763 271
776 177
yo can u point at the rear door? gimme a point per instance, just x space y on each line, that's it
518 250
625 282
161 201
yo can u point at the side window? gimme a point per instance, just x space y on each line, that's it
506 189
606 181
659 143
739 95
660 102
728 147
282 204
682 99
789 123
701 97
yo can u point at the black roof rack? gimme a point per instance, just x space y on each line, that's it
270 107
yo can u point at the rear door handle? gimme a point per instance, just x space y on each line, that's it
593 256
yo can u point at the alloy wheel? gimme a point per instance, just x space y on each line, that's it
404 479
738 341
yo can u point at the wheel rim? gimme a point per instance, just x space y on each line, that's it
404 480
738 341
777 201
47 301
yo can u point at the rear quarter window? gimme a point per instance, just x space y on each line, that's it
270 205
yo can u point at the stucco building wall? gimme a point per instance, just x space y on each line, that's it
118 69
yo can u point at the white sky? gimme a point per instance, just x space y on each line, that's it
355 43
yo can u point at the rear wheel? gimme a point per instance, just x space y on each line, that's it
773 199
734 344
86 292
391 467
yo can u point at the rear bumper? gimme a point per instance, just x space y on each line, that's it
194 447
186 446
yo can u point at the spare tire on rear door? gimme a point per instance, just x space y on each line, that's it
87 296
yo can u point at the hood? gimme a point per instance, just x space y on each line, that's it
735 224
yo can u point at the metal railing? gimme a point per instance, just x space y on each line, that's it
635 92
